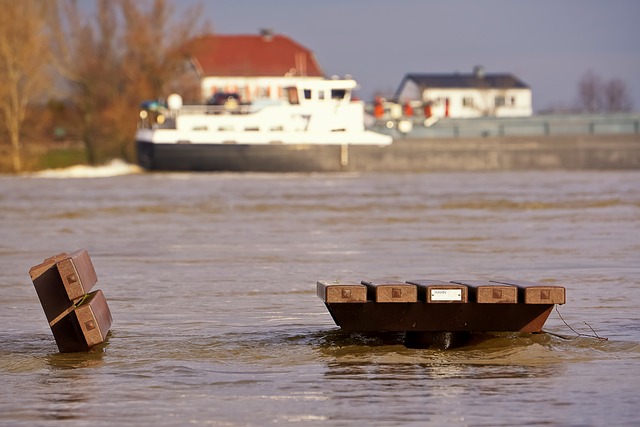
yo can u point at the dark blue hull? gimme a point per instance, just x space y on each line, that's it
245 157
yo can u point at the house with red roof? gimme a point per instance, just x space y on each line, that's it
252 66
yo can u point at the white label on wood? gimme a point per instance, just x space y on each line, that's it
446 294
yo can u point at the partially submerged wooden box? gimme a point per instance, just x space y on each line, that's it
428 305
79 319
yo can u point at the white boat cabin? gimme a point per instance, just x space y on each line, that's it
312 112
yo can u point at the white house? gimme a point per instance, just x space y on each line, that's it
475 94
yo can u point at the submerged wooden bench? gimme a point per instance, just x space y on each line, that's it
435 306
78 318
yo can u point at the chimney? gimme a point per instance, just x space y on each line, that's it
478 71
267 34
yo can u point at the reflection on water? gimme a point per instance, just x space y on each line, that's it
91 359
211 282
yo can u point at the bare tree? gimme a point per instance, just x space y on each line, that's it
155 44
616 97
596 95
127 55
153 56
23 64
590 89
87 58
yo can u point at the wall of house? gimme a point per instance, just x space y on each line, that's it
410 91
467 103
470 102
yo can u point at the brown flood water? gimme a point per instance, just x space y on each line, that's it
211 282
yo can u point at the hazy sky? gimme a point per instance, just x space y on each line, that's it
549 44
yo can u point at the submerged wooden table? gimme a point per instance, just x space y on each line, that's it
432 311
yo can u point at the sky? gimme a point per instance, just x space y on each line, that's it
548 44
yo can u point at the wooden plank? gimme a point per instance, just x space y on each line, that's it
438 291
50 290
85 326
62 279
77 274
37 270
486 292
67 333
390 291
94 318
537 293
334 292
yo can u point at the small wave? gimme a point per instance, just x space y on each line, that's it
504 204
115 167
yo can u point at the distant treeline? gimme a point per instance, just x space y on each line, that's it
67 74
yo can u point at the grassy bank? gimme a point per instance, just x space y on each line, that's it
37 157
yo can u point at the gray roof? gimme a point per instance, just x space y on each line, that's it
463 81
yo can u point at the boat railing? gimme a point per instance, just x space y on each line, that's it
215 109
166 118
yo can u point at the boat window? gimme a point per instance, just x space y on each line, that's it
338 93
307 94
292 95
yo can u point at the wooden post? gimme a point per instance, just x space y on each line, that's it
487 292
79 319
341 292
536 293
391 291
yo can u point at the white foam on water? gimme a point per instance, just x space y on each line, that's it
115 167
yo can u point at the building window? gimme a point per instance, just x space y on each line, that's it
500 101
467 101
307 94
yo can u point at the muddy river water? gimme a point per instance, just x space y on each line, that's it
211 282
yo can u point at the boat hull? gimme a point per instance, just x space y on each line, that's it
246 157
